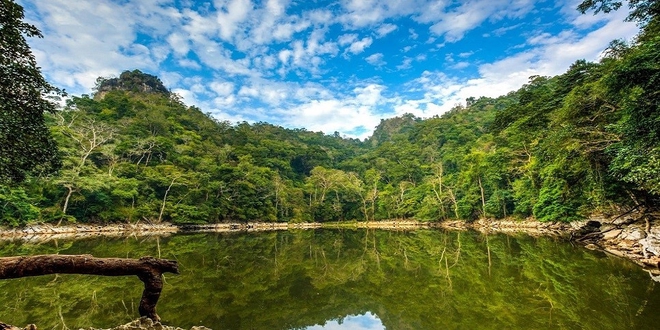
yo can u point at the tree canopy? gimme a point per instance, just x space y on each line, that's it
26 146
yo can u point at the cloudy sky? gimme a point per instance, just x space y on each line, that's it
323 65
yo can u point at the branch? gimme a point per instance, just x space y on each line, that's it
147 269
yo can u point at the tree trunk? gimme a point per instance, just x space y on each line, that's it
66 200
483 199
147 269
162 208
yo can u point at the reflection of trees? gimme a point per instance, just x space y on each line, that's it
288 280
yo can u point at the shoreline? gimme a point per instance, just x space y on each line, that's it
631 236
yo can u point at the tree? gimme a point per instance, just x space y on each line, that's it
85 137
26 146
641 11
634 82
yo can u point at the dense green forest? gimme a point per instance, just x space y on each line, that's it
559 148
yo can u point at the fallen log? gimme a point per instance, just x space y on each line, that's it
148 269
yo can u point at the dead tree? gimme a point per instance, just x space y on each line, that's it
148 269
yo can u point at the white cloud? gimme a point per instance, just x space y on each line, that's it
550 55
406 64
385 29
230 14
188 63
179 43
222 88
83 41
413 34
359 46
460 65
368 95
347 39
465 54
502 30
455 23
376 59
346 113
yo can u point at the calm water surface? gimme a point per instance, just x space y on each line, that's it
351 279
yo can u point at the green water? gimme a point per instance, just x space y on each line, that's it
333 279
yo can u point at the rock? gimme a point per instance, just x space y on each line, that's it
577 224
612 234
592 247
634 234
651 262
615 252
629 245
593 224
654 276
4 326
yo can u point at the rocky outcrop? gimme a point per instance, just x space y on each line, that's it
131 81
634 236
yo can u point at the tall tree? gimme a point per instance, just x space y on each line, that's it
26 146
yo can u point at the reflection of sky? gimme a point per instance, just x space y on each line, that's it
365 321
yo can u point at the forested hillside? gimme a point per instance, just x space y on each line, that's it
559 148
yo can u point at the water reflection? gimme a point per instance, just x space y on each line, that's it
365 321
299 280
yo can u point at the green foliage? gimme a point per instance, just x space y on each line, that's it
26 146
16 208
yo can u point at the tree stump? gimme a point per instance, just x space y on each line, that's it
148 269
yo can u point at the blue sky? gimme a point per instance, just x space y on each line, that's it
321 65
366 321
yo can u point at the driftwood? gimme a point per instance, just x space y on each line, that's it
148 269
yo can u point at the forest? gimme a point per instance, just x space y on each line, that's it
557 149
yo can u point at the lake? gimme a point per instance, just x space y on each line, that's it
344 279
